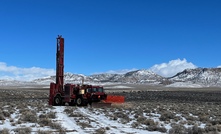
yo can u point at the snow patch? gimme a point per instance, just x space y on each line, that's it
184 84
119 87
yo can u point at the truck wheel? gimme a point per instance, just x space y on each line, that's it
79 101
57 101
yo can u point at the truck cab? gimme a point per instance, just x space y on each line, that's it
97 94
76 94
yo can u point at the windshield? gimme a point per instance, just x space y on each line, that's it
94 90
98 89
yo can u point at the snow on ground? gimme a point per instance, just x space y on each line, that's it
118 87
11 123
85 120
67 122
97 121
71 124
184 84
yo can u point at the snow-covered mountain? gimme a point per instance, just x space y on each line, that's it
139 76
200 76
68 78
16 83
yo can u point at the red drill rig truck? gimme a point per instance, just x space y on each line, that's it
73 94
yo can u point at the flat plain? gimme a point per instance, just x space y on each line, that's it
147 109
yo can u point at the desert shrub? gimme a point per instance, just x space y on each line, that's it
147 111
135 124
138 112
84 125
13 123
73 114
178 129
215 122
161 129
2 116
18 122
145 121
56 126
100 131
4 131
51 115
136 116
191 118
209 129
141 119
152 128
42 116
44 122
43 132
107 128
62 131
189 122
122 115
166 116
68 110
6 114
26 130
156 128
29 117
176 118
21 106
11 120
195 130
149 122
219 128
161 109
203 118
40 107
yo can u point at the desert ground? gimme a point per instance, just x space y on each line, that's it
147 109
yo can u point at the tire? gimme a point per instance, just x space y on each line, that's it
57 101
79 101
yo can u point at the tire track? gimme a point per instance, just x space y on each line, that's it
101 121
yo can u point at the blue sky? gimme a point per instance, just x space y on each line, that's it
109 35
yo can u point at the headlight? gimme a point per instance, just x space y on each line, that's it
81 91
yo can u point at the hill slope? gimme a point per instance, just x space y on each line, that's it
199 77
202 76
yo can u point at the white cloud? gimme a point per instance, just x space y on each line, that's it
172 68
219 66
26 74
122 71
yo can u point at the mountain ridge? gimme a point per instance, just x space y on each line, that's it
204 77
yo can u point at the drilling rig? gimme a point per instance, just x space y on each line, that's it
75 94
